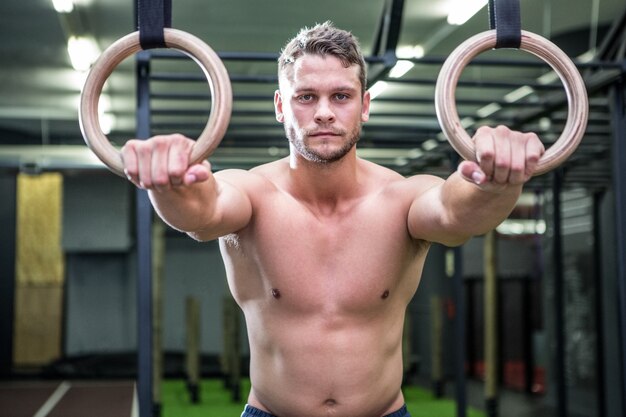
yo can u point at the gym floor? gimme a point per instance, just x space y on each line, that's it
117 399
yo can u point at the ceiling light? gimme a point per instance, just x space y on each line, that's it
429 145
467 122
522 227
518 94
545 123
107 123
63 6
415 153
548 78
488 110
462 10
410 51
401 68
404 52
377 89
83 52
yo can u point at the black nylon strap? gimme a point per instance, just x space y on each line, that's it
152 17
505 18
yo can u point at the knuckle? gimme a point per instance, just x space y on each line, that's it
502 130
160 180
502 164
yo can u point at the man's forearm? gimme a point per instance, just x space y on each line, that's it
186 209
473 211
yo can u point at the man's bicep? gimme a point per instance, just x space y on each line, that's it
428 217
233 206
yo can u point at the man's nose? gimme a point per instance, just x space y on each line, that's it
324 112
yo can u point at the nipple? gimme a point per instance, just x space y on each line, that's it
385 294
275 293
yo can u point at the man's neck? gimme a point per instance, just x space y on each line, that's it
325 184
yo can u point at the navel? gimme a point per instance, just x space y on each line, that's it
330 402
275 293
385 294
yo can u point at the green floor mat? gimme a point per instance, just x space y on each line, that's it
216 401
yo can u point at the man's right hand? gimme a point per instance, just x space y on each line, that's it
162 162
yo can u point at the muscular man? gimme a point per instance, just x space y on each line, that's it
324 250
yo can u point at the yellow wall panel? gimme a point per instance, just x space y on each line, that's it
39 269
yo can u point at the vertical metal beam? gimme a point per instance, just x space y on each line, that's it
619 184
490 267
387 37
559 287
144 250
599 273
8 214
459 334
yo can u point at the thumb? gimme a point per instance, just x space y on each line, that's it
471 172
197 173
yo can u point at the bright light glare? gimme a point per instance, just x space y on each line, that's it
63 6
462 10
401 68
83 52
488 110
377 89
522 227
107 123
518 94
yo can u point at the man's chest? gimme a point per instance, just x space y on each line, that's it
349 258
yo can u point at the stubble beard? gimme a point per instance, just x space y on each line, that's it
299 140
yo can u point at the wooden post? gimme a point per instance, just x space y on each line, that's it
193 348
491 324
231 359
158 263
407 355
436 345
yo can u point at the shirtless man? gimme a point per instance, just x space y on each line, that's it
323 250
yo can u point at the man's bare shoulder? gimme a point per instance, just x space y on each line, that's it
257 178
398 183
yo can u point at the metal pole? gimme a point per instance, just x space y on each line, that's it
144 251
491 324
599 273
559 287
459 333
619 181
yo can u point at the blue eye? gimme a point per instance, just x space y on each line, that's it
305 97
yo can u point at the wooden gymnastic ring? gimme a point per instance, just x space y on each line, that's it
578 107
211 65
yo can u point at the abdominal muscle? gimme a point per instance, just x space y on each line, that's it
324 365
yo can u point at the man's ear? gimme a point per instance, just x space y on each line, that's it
365 110
278 107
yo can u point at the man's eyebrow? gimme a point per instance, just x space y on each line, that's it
308 89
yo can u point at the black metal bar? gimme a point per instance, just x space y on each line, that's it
478 84
224 56
607 48
619 181
144 251
198 77
380 31
8 214
396 10
459 334
389 30
559 288
599 319
379 59
527 333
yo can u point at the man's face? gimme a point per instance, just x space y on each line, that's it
322 107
